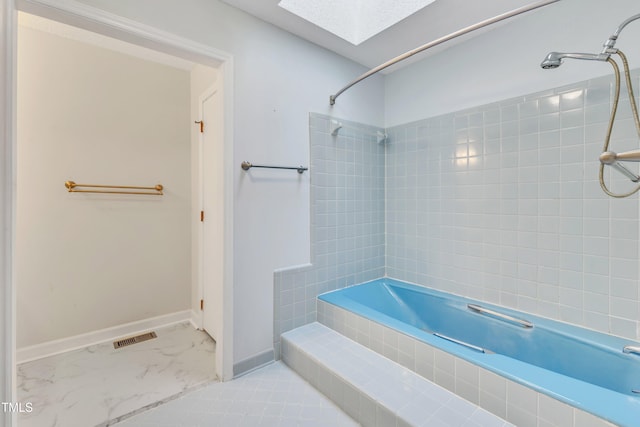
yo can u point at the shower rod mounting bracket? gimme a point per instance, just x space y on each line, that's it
335 126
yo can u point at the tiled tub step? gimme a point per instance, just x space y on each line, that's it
371 388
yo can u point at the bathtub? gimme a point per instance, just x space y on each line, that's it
582 368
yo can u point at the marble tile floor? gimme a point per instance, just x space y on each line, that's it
99 385
272 396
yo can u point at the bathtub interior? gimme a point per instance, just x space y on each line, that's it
565 352
581 367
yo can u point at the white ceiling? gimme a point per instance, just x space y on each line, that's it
438 19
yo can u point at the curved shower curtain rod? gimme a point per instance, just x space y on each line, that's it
498 18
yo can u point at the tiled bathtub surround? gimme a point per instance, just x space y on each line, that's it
502 203
372 389
507 399
499 203
347 221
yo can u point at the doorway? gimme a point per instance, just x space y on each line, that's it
98 113
113 26
111 262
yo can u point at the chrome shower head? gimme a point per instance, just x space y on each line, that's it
554 59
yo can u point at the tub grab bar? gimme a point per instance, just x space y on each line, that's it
501 316
462 343
631 349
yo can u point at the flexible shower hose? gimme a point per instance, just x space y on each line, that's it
612 117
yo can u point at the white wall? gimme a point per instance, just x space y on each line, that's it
505 62
279 79
85 262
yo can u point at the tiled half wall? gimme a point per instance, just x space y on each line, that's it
347 221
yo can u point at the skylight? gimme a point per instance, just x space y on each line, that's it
354 20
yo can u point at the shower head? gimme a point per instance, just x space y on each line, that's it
554 59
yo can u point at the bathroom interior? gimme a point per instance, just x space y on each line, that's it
94 111
475 168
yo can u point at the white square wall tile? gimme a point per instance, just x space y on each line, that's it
550 166
554 411
522 398
584 419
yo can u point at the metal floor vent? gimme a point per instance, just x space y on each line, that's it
134 340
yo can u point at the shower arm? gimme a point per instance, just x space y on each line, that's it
498 18
611 41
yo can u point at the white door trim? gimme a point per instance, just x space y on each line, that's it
8 22
208 303
102 22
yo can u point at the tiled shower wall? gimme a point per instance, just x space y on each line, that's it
502 203
347 221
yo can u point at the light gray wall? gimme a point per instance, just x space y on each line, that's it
505 62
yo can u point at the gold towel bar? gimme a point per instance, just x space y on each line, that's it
152 191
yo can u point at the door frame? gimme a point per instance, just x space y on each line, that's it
99 21
206 94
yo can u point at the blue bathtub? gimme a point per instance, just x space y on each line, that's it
583 368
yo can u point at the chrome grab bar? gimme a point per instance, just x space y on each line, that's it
501 316
248 165
632 349
462 343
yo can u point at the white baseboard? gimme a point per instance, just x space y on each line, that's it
196 319
50 348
